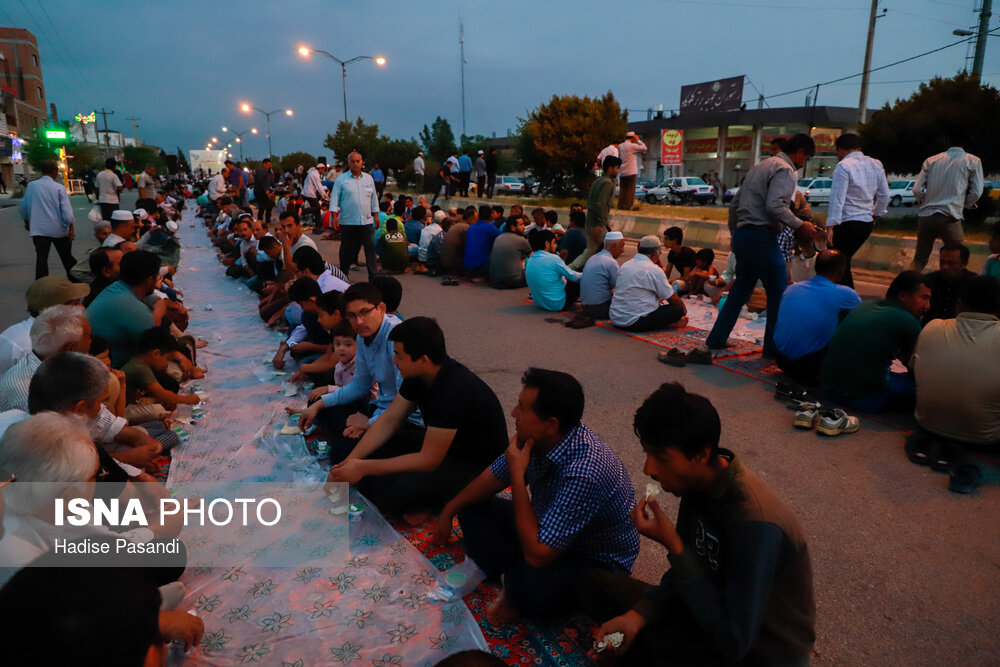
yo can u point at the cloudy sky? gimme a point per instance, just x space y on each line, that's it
184 67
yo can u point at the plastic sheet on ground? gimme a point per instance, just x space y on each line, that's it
385 605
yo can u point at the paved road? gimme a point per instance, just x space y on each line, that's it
905 572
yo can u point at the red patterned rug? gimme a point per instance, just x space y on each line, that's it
685 340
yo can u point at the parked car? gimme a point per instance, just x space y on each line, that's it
641 186
901 192
816 190
531 186
509 184
729 194
681 190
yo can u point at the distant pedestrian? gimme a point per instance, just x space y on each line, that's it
3 185
453 177
418 171
628 152
610 149
757 213
263 185
355 207
491 172
480 174
315 193
48 217
148 183
858 196
379 178
464 173
599 210
948 183
109 186
442 182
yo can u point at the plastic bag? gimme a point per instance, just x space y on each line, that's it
95 215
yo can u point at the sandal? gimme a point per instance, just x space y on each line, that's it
965 478
672 357
919 449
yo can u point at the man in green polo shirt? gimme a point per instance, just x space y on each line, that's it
599 210
856 371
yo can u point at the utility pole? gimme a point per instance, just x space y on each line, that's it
461 46
863 101
107 139
984 29
135 126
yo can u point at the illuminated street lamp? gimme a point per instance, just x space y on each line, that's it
247 108
379 60
252 130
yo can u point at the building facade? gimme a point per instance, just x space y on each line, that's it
22 97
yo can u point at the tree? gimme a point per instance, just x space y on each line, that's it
292 160
473 144
959 111
392 154
438 141
559 140
137 157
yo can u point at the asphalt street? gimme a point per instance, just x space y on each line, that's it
905 572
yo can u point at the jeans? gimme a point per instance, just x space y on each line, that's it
899 396
63 246
352 239
848 237
491 540
757 258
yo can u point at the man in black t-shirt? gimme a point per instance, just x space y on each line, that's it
679 256
466 429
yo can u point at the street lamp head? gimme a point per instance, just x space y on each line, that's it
245 107
380 61
225 129
304 50
237 140
253 130
288 112
959 32
214 139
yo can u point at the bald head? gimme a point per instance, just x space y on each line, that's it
830 264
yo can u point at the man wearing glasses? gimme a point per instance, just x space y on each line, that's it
349 411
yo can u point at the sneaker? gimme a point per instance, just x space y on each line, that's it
700 356
805 416
672 357
836 422
785 391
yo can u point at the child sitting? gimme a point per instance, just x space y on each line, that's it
142 384
310 338
343 351
704 278
802 266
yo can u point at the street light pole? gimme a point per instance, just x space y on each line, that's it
867 72
267 115
984 29
379 60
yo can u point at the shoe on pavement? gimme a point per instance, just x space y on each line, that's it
580 322
672 357
699 356
837 422
806 415
788 392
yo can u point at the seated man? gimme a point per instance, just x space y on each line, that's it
15 341
123 229
478 244
349 411
105 265
574 241
428 233
956 368
554 286
679 256
267 267
453 247
576 515
946 282
466 430
600 274
856 368
507 258
643 299
809 314
740 587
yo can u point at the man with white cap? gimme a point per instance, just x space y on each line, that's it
313 190
418 170
628 152
600 274
643 299
122 228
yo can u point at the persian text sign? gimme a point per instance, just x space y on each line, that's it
672 147
721 95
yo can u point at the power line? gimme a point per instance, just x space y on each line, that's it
62 42
70 90
757 5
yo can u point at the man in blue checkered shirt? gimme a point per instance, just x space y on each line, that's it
575 517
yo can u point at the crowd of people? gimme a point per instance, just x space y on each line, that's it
89 381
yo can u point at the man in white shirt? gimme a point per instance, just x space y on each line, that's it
15 341
217 187
859 195
354 204
108 187
313 190
418 169
610 149
948 183
628 152
643 299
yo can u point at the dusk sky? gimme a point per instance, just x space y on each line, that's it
184 67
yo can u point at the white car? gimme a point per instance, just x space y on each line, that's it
901 192
816 190
509 184
682 190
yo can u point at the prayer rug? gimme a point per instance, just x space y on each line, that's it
686 339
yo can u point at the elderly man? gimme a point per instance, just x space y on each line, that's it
57 329
628 153
354 204
600 275
643 299
418 170
757 213
15 341
122 229
217 187
48 217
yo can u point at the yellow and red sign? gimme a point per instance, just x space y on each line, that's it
672 147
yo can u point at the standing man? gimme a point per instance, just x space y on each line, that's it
948 183
147 183
491 172
453 169
48 216
108 188
480 174
379 179
464 172
599 210
263 182
418 170
757 213
610 149
315 193
628 152
859 194
354 205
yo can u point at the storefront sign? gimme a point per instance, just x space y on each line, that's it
672 147
721 95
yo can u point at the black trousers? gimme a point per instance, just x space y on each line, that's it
491 540
848 237
264 206
463 182
491 183
480 185
379 189
63 246
805 369
314 211
107 210
352 239
661 318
